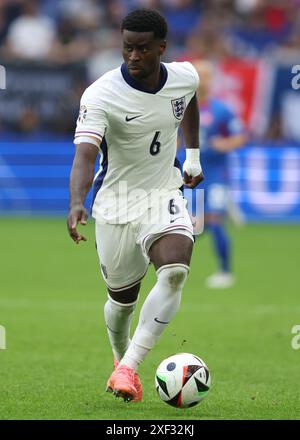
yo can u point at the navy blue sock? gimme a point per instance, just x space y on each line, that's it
221 244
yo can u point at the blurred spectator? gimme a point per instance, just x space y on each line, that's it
87 33
71 44
31 35
266 24
182 17
84 14
3 23
9 11
115 12
28 122
208 41
245 7
107 56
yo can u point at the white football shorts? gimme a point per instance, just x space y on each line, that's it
123 248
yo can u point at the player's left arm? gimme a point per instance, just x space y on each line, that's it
192 171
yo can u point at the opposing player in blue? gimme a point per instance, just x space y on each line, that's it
221 132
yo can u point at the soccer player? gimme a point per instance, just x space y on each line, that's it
132 115
221 131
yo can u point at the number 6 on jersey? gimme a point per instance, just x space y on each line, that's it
155 144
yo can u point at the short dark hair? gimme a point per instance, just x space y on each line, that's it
146 20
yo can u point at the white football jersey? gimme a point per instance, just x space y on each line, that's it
138 130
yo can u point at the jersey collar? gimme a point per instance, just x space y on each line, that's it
133 83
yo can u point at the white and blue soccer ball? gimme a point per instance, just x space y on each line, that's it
182 380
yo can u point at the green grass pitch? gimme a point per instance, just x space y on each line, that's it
58 358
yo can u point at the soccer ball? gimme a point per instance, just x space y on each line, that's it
182 380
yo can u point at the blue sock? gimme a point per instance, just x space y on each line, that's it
221 244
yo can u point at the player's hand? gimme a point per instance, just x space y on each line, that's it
78 214
192 181
192 170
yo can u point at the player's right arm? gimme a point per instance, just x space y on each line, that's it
81 179
90 130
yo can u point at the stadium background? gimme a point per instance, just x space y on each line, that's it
51 51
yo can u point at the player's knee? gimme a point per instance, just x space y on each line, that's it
125 296
174 275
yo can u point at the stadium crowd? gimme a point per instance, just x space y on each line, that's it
61 33
64 31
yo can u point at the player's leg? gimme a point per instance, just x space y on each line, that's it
118 313
171 256
175 248
168 243
216 201
215 225
122 266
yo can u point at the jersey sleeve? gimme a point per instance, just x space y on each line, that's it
92 119
191 74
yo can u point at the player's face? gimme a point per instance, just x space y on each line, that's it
141 53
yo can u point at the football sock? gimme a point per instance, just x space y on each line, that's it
221 244
157 311
118 318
